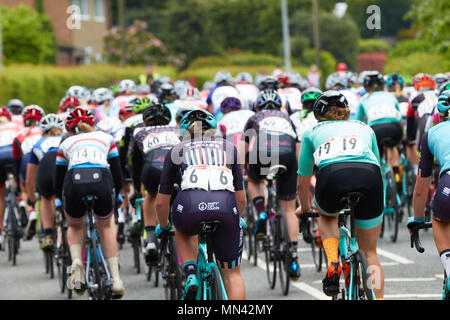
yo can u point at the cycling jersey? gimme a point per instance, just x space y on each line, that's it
220 93
113 126
353 102
291 99
303 120
249 93
331 142
100 113
18 120
43 146
424 104
122 101
7 133
232 125
21 150
150 148
379 107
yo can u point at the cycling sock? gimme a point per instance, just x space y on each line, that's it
258 202
113 265
445 258
75 252
48 232
189 268
150 229
331 247
293 246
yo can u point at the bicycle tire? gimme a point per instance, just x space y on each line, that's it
316 248
98 294
284 255
271 261
216 285
175 268
137 259
258 245
361 277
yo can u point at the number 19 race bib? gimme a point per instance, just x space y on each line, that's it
339 146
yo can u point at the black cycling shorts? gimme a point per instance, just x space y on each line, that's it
194 206
6 163
151 175
440 205
45 180
81 182
336 180
287 182
391 132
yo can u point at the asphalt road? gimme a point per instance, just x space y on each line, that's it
409 275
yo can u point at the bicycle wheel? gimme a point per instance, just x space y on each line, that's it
391 202
136 254
316 247
271 261
175 268
217 291
361 287
284 255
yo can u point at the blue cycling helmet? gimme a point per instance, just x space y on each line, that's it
395 77
268 99
443 104
207 119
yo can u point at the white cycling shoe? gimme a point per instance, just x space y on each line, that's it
77 280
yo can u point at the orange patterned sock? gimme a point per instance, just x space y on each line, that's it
331 247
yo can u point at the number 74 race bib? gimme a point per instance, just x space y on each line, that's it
338 146
207 178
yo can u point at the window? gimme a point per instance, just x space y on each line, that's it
100 10
84 8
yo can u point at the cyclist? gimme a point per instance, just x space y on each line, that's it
102 98
340 82
150 147
382 113
22 146
290 96
126 91
8 131
232 124
223 89
247 90
40 172
15 108
304 118
79 92
435 146
67 105
270 133
342 170
219 199
87 163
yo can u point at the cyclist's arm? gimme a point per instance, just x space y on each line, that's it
422 186
137 164
168 179
30 181
360 114
115 168
303 193
305 171
238 182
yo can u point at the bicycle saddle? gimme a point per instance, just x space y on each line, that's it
276 171
352 198
89 201
209 226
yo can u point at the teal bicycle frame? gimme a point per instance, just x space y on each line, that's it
385 170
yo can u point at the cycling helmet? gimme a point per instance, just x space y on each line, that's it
190 93
166 93
268 83
230 103
352 77
5 113
329 99
422 80
310 96
142 89
15 106
336 79
126 111
158 82
157 111
76 91
443 104
180 86
208 85
101 95
32 112
139 105
77 115
182 111
268 99
440 78
207 119
444 87
283 79
393 78
51 121
244 77
223 76
69 103
372 79
126 86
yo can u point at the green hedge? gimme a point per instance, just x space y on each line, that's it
417 62
46 85
373 45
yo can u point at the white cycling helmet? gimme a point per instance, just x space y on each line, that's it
336 79
101 95
222 76
127 85
78 92
244 77
51 121
190 93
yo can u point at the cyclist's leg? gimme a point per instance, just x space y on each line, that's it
234 283
256 191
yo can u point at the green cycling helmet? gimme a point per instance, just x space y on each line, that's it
139 105
198 115
311 94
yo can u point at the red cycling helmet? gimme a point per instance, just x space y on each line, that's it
4 113
422 80
32 112
283 78
126 111
77 115
341 67
69 103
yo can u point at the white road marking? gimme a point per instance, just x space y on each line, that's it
393 256
311 291
411 295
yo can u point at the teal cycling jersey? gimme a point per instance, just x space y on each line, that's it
379 107
331 142
439 146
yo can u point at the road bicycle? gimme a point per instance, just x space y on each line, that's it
135 234
276 241
408 181
98 278
63 259
12 223
250 241
208 274
358 285
415 243
48 253
309 228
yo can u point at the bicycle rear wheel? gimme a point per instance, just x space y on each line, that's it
284 255
316 247
270 258
217 291
361 286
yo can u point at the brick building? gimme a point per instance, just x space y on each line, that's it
79 26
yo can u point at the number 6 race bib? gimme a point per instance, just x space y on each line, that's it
207 178
339 146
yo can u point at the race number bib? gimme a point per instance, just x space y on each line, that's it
277 124
28 144
383 111
162 139
7 138
88 155
339 146
207 177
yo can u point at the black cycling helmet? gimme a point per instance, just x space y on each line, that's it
166 93
372 79
269 83
267 100
158 112
15 106
329 99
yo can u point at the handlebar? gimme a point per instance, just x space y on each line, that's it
415 241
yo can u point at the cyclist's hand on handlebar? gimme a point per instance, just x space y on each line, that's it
159 231
413 221
133 198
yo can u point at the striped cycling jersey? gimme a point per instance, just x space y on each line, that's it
87 150
25 141
44 146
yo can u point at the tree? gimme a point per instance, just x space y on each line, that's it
27 36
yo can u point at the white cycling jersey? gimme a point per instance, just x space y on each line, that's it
249 93
303 121
221 93
234 122
353 102
8 132
293 96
